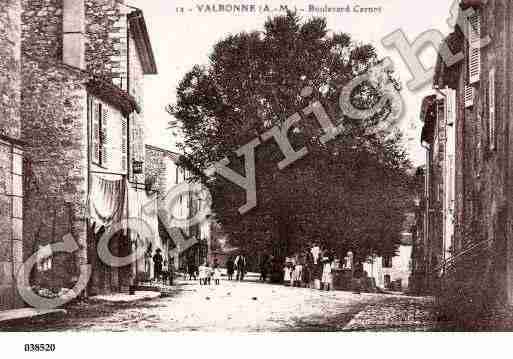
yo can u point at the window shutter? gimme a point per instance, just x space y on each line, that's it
96 115
124 143
474 39
105 153
492 126
469 96
450 108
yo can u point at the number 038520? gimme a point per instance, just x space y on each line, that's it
39 347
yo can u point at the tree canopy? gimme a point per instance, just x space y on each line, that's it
350 193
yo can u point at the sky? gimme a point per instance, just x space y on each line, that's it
181 40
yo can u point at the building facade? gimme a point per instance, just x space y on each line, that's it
467 133
178 200
11 154
82 119
393 272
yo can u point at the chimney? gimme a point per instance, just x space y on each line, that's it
73 33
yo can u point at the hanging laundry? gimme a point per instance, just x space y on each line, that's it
107 202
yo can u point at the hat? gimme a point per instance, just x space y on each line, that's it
158 250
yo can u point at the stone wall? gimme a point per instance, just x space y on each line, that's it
137 124
10 159
10 68
106 31
155 168
55 130
106 34
42 29
136 73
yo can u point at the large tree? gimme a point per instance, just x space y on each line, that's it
350 193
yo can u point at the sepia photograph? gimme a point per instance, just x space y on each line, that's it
263 167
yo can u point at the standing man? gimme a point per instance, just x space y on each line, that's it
315 251
230 268
157 264
240 265
171 270
264 266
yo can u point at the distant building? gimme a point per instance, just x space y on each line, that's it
392 272
418 283
165 175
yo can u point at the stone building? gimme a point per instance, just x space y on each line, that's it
393 272
187 244
432 140
418 283
11 153
470 126
83 62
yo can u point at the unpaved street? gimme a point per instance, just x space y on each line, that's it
247 307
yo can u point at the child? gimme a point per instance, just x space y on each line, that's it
209 272
296 275
217 274
286 273
203 273
326 274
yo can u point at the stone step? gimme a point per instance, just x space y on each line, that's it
16 315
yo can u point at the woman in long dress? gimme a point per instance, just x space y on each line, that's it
326 279
296 275
203 273
217 274
286 273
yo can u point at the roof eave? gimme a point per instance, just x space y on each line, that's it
113 95
142 41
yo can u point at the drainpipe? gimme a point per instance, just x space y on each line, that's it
444 216
427 221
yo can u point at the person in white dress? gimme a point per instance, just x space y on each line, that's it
326 279
286 273
296 275
217 275
203 273
315 251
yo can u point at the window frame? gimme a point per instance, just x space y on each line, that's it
98 115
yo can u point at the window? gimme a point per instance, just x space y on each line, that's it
474 42
492 126
44 259
11 198
387 281
387 262
124 144
469 95
100 119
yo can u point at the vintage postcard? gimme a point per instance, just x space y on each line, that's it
255 167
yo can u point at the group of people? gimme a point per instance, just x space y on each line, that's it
310 269
238 264
207 273
162 270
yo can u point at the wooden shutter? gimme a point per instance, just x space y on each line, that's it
105 153
474 39
492 126
95 121
450 106
124 143
469 96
